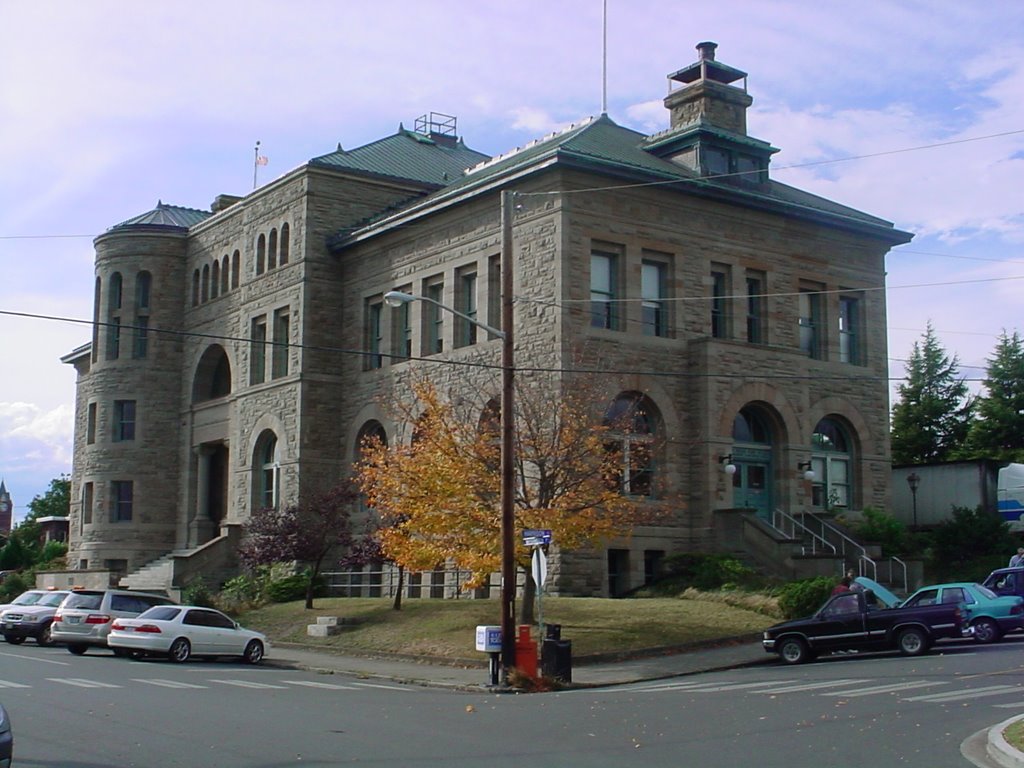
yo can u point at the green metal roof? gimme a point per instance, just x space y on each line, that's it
603 146
164 215
436 161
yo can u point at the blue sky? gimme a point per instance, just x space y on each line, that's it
108 107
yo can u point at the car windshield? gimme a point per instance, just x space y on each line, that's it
53 598
86 600
28 598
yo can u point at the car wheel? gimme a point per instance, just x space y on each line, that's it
912 641
180 650
45 638
14 639
253 652
794 650
78 648
986 631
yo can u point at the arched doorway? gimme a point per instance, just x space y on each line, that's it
831 460
752 457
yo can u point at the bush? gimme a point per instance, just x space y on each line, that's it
704 572
12 586
884 529
196 592
969 545
803 598
293 588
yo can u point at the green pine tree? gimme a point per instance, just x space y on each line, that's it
931 419
998 430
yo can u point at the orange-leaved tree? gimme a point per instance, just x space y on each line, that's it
438 494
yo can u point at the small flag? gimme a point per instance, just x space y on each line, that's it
261 160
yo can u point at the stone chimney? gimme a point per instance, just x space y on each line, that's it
708 95
223 201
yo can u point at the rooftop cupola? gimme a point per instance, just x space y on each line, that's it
707 92
708 103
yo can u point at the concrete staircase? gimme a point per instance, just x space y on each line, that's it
214 562
156 575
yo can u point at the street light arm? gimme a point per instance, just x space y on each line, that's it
398 298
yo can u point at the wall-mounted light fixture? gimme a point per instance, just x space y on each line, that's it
727 466
808 471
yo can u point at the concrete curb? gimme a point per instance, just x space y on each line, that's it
999 750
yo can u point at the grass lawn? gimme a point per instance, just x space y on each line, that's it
1014 735
446 628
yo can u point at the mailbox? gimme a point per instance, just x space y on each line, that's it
488 638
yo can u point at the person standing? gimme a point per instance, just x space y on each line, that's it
842 586
1017 561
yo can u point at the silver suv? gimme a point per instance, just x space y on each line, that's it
85 616
21 621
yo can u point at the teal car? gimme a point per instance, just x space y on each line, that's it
987 616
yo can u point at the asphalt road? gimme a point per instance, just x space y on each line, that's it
99 711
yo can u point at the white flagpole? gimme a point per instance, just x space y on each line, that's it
255 163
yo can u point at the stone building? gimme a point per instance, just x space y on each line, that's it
239 354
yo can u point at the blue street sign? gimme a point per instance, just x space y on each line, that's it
535 537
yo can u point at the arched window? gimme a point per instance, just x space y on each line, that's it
114 317
632 420
261 254
224 271
272 250
832 462
285 245
115 292
140 343
236 262
213 375
750 427
371 431
97 295
215 280
267 472
204 287
195 288
143 286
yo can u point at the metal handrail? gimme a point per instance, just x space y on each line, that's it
864 560
795 526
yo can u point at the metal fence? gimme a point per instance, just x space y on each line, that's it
441 584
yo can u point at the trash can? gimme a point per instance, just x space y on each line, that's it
556 658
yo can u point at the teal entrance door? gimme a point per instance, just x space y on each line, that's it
752 482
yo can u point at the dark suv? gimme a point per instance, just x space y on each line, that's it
85 616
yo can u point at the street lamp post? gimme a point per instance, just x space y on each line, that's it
508 562
914 480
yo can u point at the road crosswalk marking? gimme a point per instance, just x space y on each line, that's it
810 686
9 684
706 687
315 684
81 682
970 693
248 684
382 687
167 683
889 688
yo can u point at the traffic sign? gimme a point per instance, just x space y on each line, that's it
535 537
540 567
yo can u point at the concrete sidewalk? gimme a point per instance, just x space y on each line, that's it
584 672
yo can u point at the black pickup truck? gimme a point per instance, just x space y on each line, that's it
856 621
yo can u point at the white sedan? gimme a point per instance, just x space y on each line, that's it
182 631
